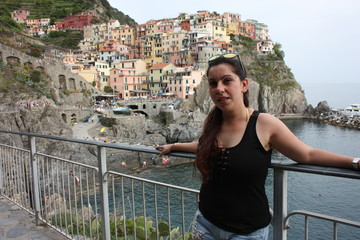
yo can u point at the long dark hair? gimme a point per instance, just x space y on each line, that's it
208 145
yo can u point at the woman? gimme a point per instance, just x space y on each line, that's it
234 154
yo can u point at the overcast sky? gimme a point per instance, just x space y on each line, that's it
320 38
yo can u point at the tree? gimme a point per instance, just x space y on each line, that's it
278 52
108 89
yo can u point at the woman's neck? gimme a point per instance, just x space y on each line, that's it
242 115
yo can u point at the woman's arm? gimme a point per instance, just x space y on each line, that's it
280 137
181 147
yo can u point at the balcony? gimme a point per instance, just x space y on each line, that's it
84 201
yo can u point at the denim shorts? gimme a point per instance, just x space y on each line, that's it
202 229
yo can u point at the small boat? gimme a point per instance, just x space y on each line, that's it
99 110
122 110
353 109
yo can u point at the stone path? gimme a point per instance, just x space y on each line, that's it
18 224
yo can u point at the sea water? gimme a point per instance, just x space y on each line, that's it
332 196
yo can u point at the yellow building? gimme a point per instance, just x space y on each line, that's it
233 28
125 34
159 77
218 29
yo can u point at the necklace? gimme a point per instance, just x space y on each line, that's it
247 115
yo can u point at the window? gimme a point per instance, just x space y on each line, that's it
194 81
115 81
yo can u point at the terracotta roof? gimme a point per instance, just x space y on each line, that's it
159 66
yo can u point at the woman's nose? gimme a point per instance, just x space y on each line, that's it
220 87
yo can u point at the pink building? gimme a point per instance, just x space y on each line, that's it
75 21
165 26
184 82
128 77
19 16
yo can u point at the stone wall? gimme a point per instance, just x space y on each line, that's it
61 77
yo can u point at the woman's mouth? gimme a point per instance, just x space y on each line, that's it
223 99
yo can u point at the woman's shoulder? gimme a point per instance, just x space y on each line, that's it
268 119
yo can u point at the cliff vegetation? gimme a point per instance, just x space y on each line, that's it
57 10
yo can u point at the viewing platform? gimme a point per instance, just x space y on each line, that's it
81 201
17 223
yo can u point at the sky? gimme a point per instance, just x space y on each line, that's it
320 38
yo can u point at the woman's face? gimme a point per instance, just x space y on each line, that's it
225 87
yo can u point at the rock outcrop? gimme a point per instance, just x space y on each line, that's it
323 113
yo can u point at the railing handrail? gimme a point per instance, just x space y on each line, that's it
283 165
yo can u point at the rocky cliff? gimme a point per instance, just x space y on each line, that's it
272 89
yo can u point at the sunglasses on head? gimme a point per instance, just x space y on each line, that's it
228 56
225 55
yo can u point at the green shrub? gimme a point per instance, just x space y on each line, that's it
107 122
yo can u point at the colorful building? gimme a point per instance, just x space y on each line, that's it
159 77
20 16
128 79
184 82
75 21
125 34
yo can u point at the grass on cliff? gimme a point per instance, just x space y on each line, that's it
24 81
268 70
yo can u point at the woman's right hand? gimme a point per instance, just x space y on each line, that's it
165 149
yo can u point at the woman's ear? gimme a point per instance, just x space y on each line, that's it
245 85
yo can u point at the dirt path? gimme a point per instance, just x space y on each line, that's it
81 129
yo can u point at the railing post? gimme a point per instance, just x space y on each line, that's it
104 193
280 204
1 172
35 194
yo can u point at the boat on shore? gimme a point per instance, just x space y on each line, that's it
122 110
353 109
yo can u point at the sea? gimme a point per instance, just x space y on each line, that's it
338 95
332 196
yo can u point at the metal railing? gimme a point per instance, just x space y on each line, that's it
92 202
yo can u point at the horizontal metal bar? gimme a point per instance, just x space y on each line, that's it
321 216
68 161
321 170
284 165
153 182
137 148
16 148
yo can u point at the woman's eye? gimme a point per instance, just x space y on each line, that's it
212 84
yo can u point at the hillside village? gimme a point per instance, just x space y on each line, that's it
159 57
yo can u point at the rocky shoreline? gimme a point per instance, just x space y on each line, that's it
323 113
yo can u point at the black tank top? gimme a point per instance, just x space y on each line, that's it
234 199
